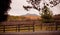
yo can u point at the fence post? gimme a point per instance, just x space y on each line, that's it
33 26
3 28
56 26
41 26
18 27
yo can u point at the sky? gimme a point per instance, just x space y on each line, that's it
17 8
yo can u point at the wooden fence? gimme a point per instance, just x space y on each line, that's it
29 26
16 28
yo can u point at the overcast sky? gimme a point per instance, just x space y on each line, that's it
17 8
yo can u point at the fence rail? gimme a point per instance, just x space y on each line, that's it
30 26
16 28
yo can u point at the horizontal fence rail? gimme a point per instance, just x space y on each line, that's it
28 26
17 28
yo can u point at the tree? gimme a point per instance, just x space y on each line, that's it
36 5
47 15
4 7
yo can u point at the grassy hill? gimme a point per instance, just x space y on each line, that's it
19 18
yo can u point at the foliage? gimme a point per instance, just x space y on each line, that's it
46 15
36 4
4 7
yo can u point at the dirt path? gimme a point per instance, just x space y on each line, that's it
32 33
